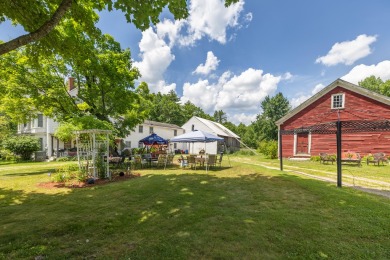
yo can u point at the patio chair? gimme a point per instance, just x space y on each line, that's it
139 162
191 160
161 160
211 160
170 159
219 161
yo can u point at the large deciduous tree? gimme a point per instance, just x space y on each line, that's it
273 108
377 85
103 80
220 117
166 108
43 20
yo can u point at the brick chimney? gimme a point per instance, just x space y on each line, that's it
70 83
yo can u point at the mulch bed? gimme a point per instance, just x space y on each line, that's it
97 182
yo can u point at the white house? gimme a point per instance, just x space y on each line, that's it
231 140
166 131
44 128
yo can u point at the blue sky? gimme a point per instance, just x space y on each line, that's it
231 58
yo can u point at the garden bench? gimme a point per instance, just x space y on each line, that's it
351 157
376 158
324 157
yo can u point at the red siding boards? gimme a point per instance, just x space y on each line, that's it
356 107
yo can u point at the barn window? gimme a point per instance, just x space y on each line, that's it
338 101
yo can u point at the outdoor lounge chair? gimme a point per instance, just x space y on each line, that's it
324 157
377 158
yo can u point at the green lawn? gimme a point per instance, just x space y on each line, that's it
242 212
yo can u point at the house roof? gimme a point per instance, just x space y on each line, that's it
337 83
154 123
217 128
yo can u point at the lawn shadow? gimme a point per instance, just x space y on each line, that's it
45 171
165 214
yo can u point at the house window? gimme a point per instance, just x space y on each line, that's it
338 101
40 120
174 145
151 130
193 128
174 132
141 129
140 145
128 144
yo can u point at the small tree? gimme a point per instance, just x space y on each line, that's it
269 149
24 146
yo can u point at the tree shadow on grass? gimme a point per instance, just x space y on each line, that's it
45 171
187 215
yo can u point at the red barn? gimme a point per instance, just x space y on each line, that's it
366 111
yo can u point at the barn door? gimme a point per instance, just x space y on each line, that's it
303 143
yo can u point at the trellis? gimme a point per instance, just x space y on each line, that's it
337 128
88 150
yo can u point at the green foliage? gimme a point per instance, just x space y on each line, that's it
63 159
269 149
273 108
103 77
376 84
23 146
190 110
220 117
68 173
60 33
7 155
100 164
167 109
316 158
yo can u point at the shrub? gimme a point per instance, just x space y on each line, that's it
63 159
8 155
269 149
315 158
69 172
23 146
245 152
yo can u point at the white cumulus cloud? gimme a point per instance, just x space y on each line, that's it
207 18
211 18
156 57
360 72
211 64
349 51
234 94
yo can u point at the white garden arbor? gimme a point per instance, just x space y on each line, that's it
93 147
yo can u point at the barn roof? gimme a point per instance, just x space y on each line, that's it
337 83
155 123
217 128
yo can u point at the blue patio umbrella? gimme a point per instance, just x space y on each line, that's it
153 139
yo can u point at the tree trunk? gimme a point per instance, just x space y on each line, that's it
41 32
